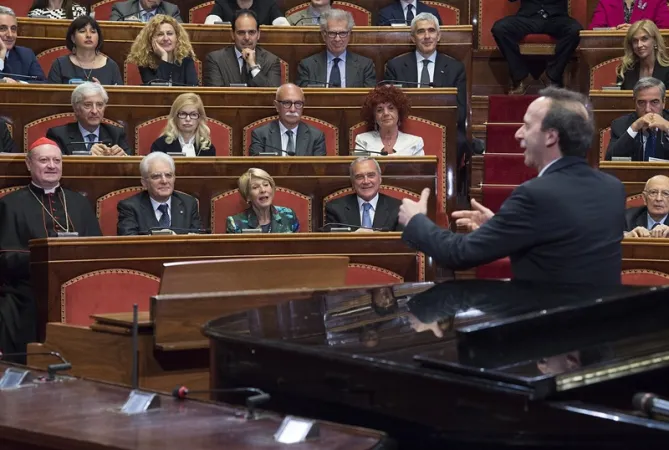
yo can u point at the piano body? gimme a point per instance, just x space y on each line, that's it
492 363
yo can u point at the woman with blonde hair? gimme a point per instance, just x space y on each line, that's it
645 55
163 52
186 130
257 188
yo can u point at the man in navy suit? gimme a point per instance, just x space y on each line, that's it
403 12
565 226
14 59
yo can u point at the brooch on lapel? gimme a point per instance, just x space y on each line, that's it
641 5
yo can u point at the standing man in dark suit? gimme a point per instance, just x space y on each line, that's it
426 67
14 59
565 226
288 136
244 62
537 16
366 209
336 67
650 220
642 135
158 206
144 10
402 12
88 133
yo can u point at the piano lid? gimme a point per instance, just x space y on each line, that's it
548 338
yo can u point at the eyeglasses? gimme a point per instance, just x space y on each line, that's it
286 104
334 34
184 115
157 176
654 193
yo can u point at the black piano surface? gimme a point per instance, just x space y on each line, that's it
464 364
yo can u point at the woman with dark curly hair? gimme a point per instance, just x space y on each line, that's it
163 52
386 107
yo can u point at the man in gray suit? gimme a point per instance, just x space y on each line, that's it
143 10
245 62
311 15
288 136
336 67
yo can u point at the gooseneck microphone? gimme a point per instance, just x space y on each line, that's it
374 152
278 151
19 76
320 83
183 230
346 225
651 404
307 18
402 82
51 369
259 397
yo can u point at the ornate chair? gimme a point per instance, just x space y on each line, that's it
604 139
330 131
20 7
147 132
644 277
366 274
633 201
496 270
38 128
361 16
105 208
390 191
47 57
450 15
197 14
103 9
132 77
604 74
8 190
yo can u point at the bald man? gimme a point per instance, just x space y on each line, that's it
288 136
41 209
650 220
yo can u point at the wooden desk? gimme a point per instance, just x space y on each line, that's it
76 414
205 178
649 254
595 48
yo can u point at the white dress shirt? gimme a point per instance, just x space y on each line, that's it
159 213
342 67
406 144
372 210
430 66
547 166
2 61
84 133
240 61
652 222
405 8
188 148
284 138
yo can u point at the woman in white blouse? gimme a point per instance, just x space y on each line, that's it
186 130
387 107
56 9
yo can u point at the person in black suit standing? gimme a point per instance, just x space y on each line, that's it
426 68
89 133
7 144
158 206
642 135
402 12
537 16
650 220
565 226
367 209
336 67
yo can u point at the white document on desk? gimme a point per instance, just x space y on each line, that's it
651 159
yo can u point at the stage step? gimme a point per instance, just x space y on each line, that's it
508 108
506 168
500 138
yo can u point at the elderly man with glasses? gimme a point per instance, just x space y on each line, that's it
650 220
288 136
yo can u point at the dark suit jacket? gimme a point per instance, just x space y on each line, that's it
6 142
266 10
122 10
64 135
448 72
563 227
221 68
395 14
310 141
530 8
184 74
360 71
159 145
136 216
622 144
638 217
22 61
346 210
632 76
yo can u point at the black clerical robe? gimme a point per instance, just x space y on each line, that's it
28 214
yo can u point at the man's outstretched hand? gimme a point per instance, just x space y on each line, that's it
474 218
410 208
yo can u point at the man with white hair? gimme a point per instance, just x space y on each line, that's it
42 209
89 133
16 63
158 206
336 67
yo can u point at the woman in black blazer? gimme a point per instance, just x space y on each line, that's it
644 49
186 130
163 53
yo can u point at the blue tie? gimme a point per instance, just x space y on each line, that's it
91 139
366 218
165 218
650 146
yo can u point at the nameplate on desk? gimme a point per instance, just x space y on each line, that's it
316 85
621 158
68 234
251 230
13 378
163 232
651 159
614 87
268 154
340 229
81 153
238 85
140 402
360 152
295 429
176 154
604 29
399 24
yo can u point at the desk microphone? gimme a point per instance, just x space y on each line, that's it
161 82
401 83
18 75
305 18
132 17
383 21
186 230
346 225
278 151
651 405
374 152
252 402
107 143
320 83
51 369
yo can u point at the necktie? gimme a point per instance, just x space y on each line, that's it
91 139
290 148
165 218
425 75
244 71
335 74
655 225
409 14
650 146
366 218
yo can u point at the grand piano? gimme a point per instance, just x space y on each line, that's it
464 364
